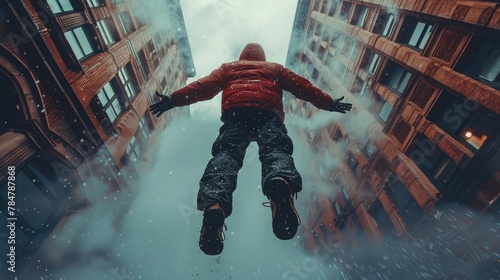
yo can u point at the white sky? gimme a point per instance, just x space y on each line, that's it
219 29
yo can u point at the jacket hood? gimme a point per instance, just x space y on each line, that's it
253 51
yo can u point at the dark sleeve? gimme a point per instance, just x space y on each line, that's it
203 89
301 88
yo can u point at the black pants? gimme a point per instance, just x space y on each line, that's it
242 126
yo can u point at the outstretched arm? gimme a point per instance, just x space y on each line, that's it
301 88
203 89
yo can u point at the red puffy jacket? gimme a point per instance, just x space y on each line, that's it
251 82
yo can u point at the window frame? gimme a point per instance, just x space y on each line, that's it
60 10
128 81
457 116
110 99
384 26
85 29
431 162
397 81
133 150
127 29
405 37
475 58
108 34
100 3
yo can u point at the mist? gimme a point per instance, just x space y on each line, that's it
153 233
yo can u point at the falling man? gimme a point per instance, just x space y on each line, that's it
252 110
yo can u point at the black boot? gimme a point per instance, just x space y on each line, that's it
212 237
285 218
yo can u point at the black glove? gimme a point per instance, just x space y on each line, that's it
161 106
337 106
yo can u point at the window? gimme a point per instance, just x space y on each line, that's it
374 63
126 22
345 10
108 31
406 204
370 148
384 24
111 104
133 150
332 9
359 16
143 127
396 77
96 3
38 201
435 164
60 6
142 65
365 88
462 119
491 68
154 55
370 61
348 47
414 33
78 39
353 163
382 219
481 61
128 80
385 111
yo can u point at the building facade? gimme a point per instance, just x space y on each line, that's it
77 78
424 80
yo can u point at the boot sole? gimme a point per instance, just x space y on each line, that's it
285 221
211 242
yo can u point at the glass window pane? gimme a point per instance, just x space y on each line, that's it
109 92
95 3
54 6
425 37
102 97
112 115
66 5
130 90
388 26
83 40
491 68
123 75
116 105
396 75
417 32
60 6
75 46
374 64
362 17
104 32
404 82
385 111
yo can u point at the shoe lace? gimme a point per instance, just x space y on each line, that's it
222 229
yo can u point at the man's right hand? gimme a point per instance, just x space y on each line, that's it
337 106
161 106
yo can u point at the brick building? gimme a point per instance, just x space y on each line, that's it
424 80
77 78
